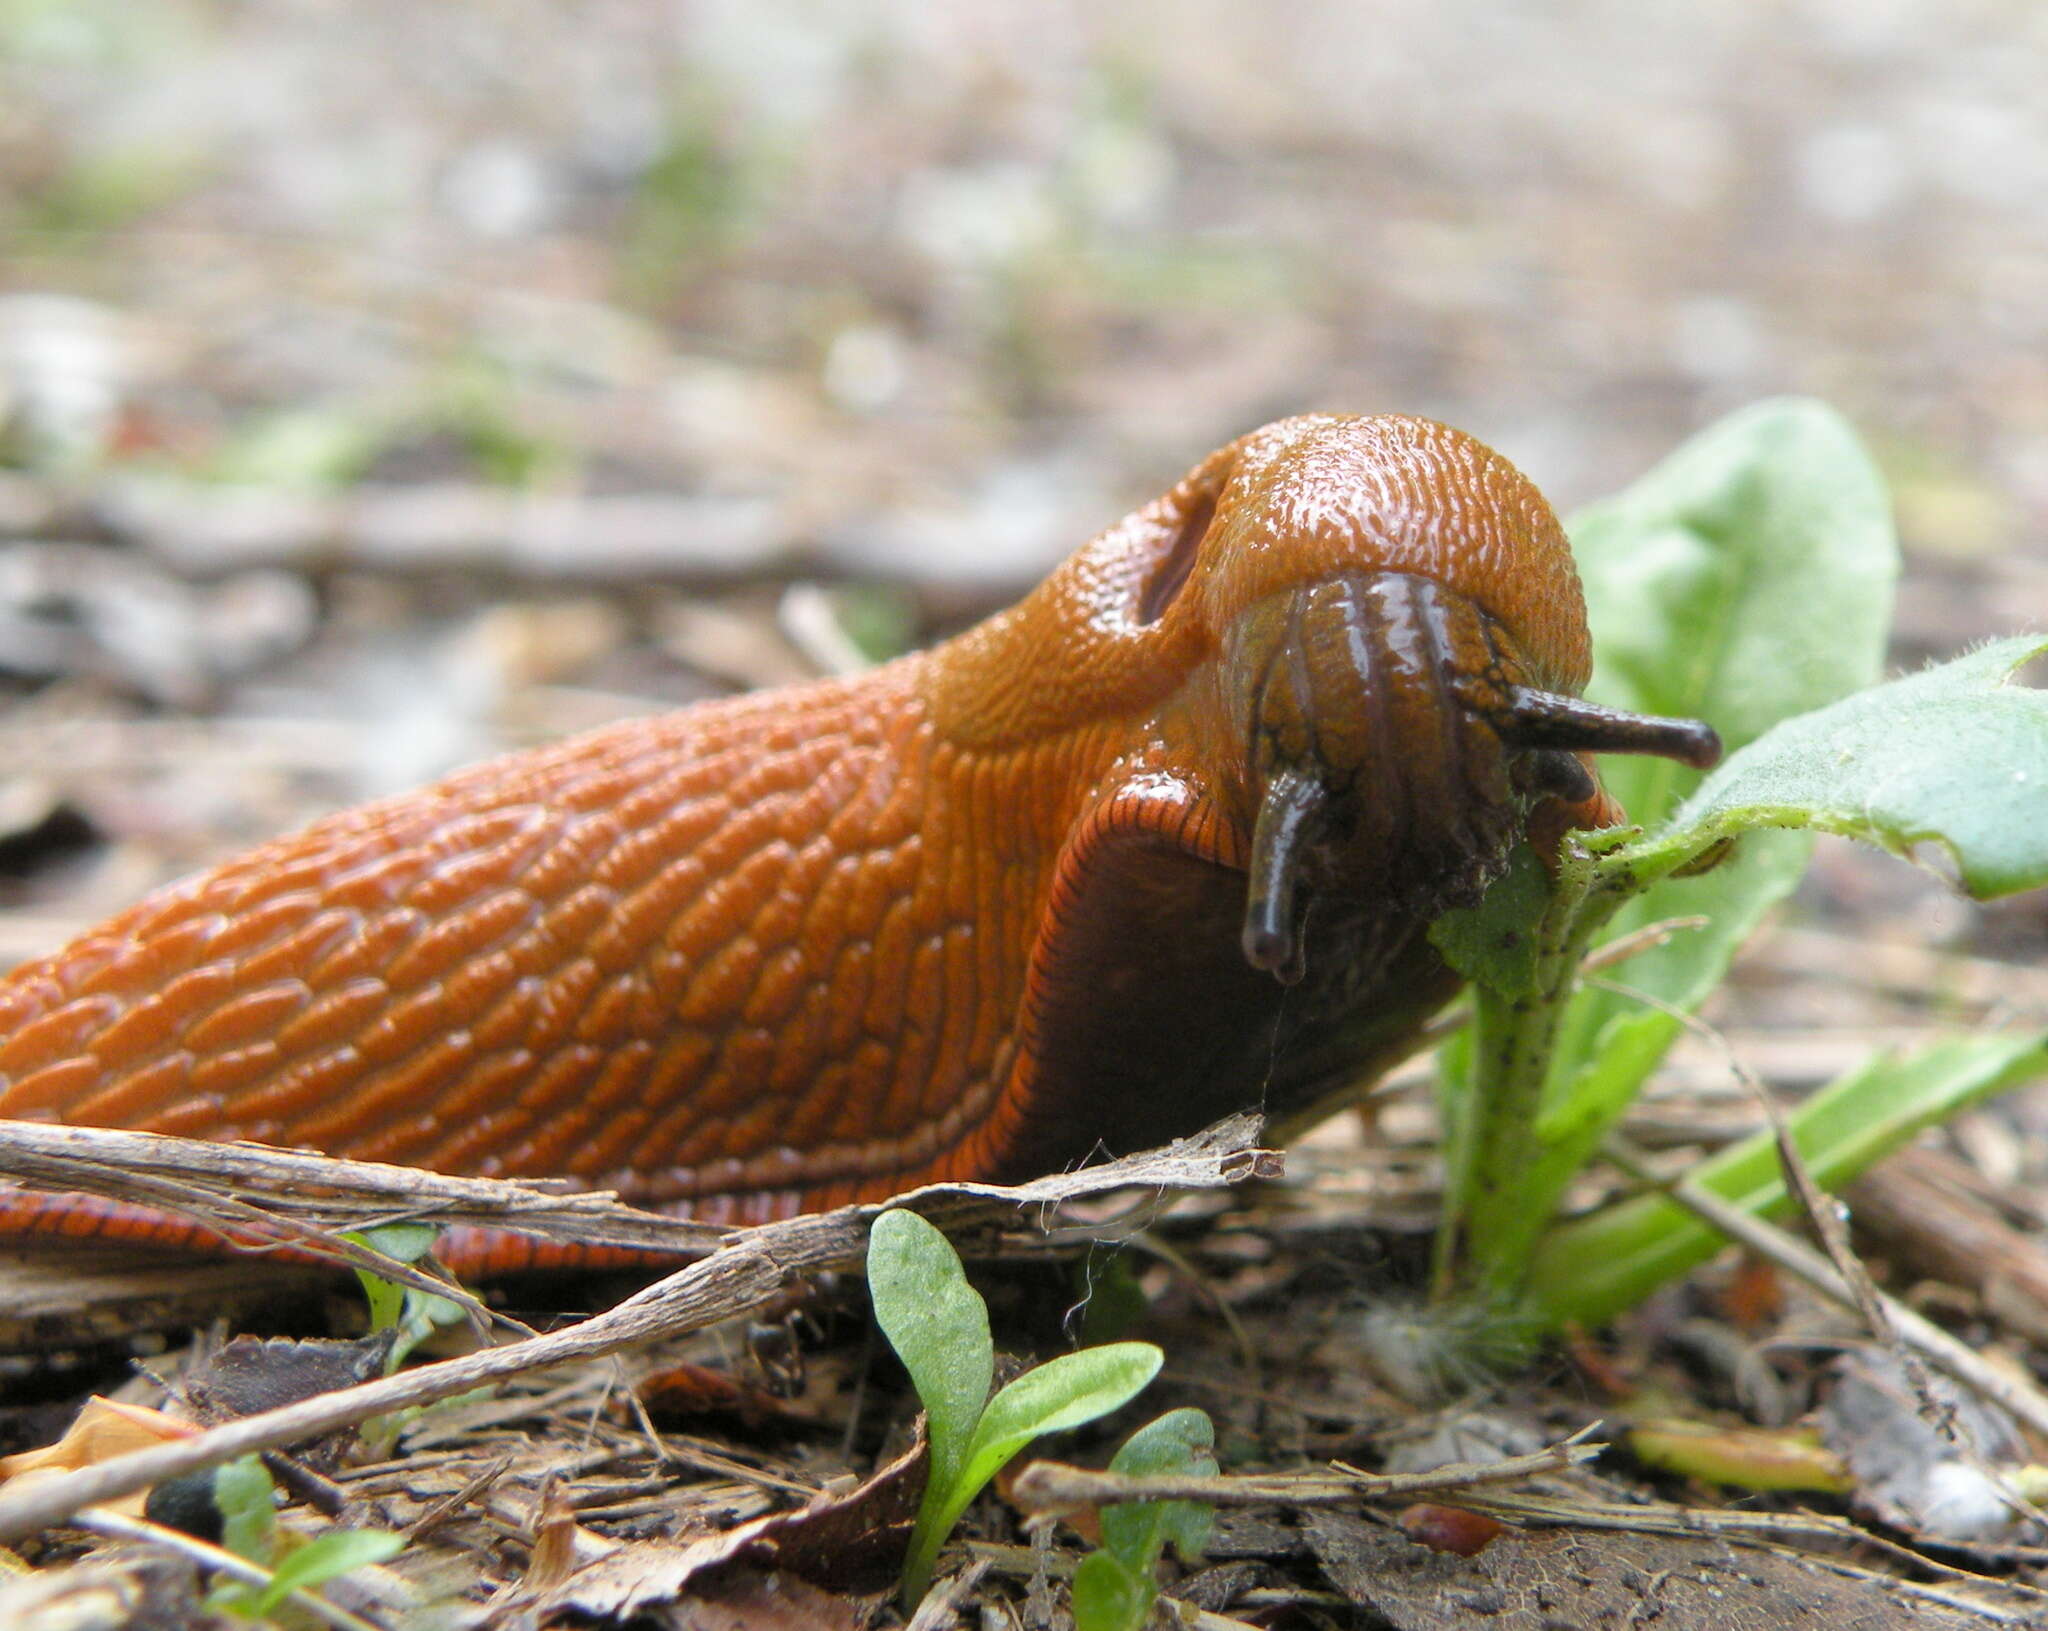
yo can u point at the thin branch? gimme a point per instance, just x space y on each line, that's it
119 1526
247 1188
752 1269
1053 1486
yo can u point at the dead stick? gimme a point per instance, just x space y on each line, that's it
752 1270
1053 1486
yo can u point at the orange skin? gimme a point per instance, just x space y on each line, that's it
973 915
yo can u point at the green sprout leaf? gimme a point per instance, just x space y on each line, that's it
1114 1589
324 1558
1955 756
1181 1441
1109 1597
410 1315
328 1557
243 1491
1065 1392
938 1325
246 1496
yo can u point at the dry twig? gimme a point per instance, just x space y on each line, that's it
176 1174
1053 1486
751 1269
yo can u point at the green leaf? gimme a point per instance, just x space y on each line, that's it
1495 942
327 1557
1181 1441
1062 1393
411 1316
1955 755
386 1298
1591 1268
1113 1588
401 1242
938 1325
1747 578
243 1491
1108 1597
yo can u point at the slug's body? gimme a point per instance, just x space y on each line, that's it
1160 842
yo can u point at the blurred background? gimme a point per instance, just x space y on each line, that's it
386 383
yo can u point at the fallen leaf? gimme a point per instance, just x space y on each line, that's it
102 1430
852 1542
1746 1457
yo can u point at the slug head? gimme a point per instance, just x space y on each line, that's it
1400 637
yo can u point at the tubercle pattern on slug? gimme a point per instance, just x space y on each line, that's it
1078 651
616 959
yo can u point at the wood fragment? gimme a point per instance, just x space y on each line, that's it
240 1185
1918 1206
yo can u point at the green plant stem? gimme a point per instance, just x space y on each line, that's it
1511 1041
933 1526
1490 1224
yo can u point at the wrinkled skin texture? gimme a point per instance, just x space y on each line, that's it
978 914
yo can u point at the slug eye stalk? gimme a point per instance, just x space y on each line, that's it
1291 818
1546 719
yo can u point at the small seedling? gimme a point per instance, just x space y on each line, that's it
938 1325
243 1491
410 1316
1114 1588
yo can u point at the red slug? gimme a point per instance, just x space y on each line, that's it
1159 842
